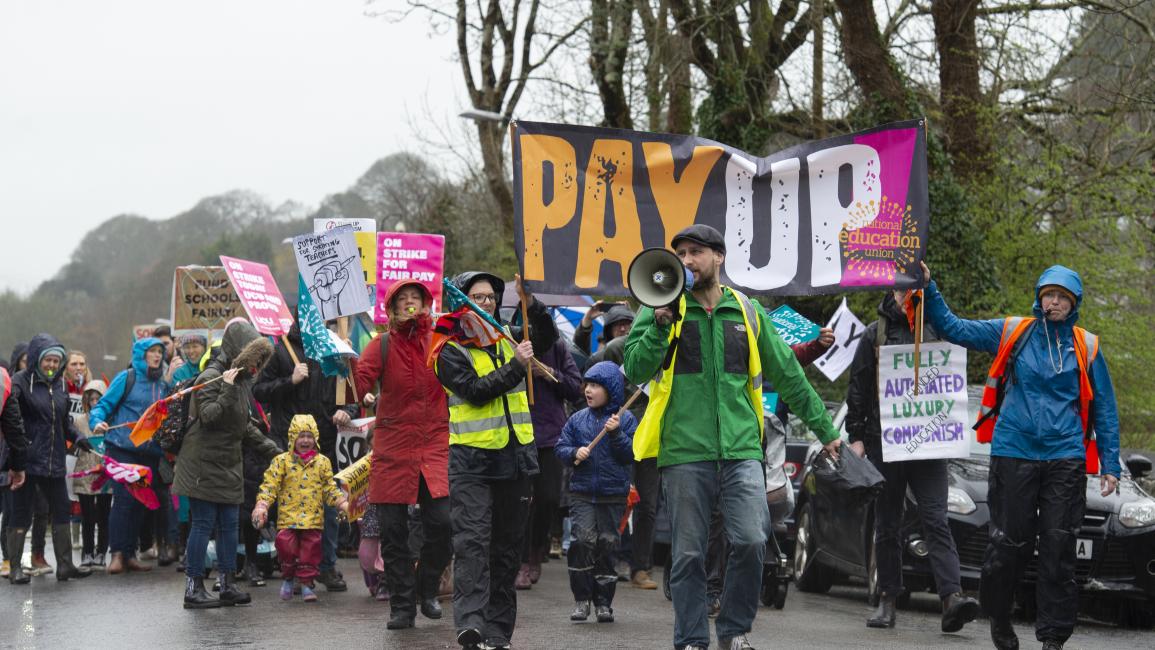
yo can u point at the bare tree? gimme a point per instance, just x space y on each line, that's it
611 22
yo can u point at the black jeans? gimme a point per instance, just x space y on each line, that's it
543 510
591 553
94 509
404 585
1030 498
928 480
648 483
55 490
489 518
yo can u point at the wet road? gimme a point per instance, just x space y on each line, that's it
144 611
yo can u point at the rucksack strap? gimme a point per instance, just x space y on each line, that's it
129 382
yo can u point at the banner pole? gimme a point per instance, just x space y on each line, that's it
292 353
525 337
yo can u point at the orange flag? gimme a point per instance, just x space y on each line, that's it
149 422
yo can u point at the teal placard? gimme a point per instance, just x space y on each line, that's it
794 328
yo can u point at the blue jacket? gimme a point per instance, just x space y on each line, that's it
607 471
144 393
1040 418
44 406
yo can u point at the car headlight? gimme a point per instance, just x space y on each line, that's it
1137 514
959 502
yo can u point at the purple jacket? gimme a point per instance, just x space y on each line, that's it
548 410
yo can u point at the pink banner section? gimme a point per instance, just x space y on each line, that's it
408 257
259 294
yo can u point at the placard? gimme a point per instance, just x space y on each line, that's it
794 328
352 441
365 234
933 422
354 479
847 333
203 300
408 257
328 263
260 296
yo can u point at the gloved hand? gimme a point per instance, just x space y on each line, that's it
83 443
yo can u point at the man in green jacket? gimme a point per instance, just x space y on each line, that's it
705 425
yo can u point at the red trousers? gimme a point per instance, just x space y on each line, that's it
299 552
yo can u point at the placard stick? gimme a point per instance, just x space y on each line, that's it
525 336
289 347
602 433
343 332
917 335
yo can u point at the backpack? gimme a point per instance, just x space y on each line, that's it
129 382
171 433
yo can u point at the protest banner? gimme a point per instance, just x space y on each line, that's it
365 234
405 257
203 300
354 479
260 296
847 333
932 421
842 214
352 441
328 264
794 328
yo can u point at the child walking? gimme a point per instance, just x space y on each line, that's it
598 488
301 482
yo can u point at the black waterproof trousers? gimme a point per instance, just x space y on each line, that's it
591 553
1030 498
647 481
489 520
405 585
927 479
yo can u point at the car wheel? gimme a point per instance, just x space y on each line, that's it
1137 615
780 595
810 575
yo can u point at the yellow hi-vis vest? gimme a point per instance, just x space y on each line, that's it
485 426
648 435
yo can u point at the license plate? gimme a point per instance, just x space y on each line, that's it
1082 549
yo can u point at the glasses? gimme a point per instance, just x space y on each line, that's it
483 297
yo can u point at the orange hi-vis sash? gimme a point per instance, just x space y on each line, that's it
1086 349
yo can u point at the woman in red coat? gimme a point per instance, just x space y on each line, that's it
410 453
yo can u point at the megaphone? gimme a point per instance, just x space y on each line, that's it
657 278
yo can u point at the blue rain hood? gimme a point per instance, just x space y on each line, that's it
607 375
138 350
1063 277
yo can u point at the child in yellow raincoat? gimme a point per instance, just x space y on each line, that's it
301 482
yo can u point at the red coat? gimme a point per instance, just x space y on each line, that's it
411 435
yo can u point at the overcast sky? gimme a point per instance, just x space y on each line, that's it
147 106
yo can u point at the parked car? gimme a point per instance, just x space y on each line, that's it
1116 543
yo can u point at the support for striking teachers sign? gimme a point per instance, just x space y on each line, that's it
841 214
933 423
329 263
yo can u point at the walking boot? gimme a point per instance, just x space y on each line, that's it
957 611
1003 634
535 559
604 613
399 620
230 593
168 555
62 544
469 639
195 596
430 607
883 616
1051 644
116 564
522 581
16 573
332 580
642 580
253 573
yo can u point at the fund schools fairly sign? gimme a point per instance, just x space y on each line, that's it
932 423
842 214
